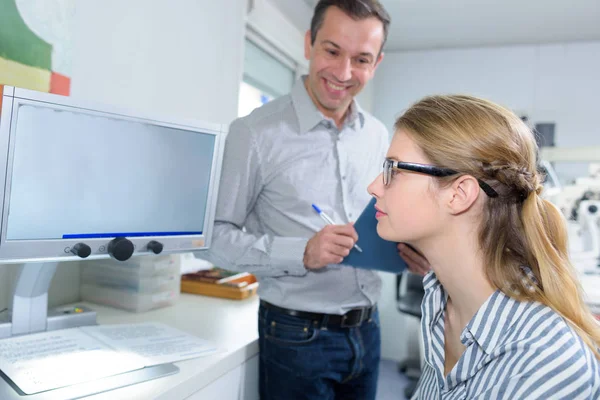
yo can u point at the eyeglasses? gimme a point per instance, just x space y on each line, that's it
431 170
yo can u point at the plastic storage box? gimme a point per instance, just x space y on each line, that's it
140 284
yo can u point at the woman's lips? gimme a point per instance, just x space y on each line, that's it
379 213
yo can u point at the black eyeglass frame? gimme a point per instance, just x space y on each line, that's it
426 169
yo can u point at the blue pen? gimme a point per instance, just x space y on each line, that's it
330 222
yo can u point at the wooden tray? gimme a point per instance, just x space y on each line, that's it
236 288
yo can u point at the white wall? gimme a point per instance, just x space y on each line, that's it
366 97
64 287
179 59
550 83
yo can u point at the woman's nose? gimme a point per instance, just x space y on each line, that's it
375 189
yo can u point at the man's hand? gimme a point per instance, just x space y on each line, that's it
417 264
329 246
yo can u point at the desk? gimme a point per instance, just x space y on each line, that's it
229 324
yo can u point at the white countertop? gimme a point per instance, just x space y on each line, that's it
232 325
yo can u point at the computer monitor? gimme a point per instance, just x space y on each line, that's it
84 181
79 180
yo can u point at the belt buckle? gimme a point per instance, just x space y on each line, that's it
357 323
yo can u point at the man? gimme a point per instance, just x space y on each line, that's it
318 321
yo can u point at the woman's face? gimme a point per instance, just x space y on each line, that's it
407 207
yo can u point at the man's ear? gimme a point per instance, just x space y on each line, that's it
463 194
379 59
307 44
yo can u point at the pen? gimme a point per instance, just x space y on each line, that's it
326 218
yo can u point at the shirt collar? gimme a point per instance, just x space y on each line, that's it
309 115
431 284
356 114
490 323
430 281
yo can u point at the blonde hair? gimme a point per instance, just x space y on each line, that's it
519 228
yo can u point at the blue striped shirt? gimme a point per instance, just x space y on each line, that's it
513 350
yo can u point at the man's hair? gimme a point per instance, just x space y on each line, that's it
355 9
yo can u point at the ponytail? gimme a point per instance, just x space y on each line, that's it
558 286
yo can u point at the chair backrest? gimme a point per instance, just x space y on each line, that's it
410 293
414 282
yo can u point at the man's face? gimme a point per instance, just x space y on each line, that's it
342 59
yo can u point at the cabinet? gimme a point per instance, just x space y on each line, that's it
241 383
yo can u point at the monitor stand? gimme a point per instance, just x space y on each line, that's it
30 312
30 315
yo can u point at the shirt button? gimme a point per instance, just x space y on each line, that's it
467 338
344 177
350 215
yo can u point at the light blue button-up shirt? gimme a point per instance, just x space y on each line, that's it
278 161
514 351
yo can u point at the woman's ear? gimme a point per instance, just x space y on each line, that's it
463 194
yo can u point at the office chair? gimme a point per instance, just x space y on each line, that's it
409 295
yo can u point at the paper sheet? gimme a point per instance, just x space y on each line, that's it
155 343
50 360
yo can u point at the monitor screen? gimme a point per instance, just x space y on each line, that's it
82 175
116 178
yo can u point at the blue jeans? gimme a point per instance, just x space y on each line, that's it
301 359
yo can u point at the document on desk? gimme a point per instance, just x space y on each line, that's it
377 254
50 360
153 342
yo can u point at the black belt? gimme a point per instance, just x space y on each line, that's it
351 319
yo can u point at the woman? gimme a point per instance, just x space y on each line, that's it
503 315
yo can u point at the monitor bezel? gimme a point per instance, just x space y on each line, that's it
47 250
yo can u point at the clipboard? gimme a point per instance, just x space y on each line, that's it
377 254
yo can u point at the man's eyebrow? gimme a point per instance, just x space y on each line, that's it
363 54
330 43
